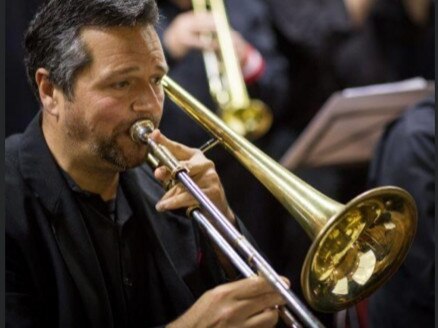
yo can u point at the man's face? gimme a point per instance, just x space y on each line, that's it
120 86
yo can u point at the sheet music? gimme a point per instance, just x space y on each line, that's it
349 125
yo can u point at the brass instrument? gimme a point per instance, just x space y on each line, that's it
356 247
159 155
248 117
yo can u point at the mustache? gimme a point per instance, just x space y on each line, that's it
125 127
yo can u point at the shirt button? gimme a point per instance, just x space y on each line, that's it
127 282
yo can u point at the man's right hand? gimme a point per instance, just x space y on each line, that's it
242 304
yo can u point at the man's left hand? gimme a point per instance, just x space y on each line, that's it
200 169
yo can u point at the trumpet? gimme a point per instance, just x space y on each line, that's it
356 247
248 117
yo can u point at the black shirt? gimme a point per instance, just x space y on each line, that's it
127 265
127 262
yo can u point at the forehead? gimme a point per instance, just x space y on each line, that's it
117 44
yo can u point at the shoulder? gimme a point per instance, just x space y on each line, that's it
420 119
12 145
407 146
414 131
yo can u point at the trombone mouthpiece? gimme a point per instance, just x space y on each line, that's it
140 130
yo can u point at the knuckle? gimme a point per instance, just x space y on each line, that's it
197 153
272 317
220 293
209 163
214 189
226 315
212 176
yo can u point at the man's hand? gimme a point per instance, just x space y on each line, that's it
185 31
242 304
200 169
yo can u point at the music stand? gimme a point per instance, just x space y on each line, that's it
348 126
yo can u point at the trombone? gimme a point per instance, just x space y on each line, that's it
248 117
356 247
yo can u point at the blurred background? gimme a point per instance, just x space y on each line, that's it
294 55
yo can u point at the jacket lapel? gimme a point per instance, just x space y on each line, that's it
40 171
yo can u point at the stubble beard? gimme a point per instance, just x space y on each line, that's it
111 152
109 148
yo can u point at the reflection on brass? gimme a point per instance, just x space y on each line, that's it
248 117
356 247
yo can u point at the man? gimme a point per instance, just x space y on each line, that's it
405 157
85 246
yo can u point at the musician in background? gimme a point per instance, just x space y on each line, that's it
332 45
264 69
85 246
405 157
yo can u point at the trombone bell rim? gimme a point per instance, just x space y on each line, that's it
364 244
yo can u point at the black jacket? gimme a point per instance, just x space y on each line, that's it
53 277
405 157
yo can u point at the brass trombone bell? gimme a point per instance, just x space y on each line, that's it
356 247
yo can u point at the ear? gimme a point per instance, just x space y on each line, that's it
47 92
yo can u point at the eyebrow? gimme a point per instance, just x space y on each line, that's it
161 67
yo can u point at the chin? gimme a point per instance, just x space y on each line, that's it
122 156
135 157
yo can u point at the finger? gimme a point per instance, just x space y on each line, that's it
249 287
197 41
199 165
267 318
286 281
174 202
180 151
262 302
203 22
162 173
258 304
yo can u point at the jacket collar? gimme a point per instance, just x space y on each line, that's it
45 178
42 174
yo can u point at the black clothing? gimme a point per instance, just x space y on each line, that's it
405 157
117 238
327 53
55 267
250 18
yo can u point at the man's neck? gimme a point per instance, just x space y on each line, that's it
97 183
84 172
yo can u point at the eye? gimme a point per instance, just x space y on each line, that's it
120 85
157 80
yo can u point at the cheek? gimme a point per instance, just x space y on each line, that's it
109 109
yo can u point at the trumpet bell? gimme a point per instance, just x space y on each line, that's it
359 249
251 121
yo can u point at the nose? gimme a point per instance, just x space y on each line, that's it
149 100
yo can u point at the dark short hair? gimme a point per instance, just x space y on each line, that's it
53 38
